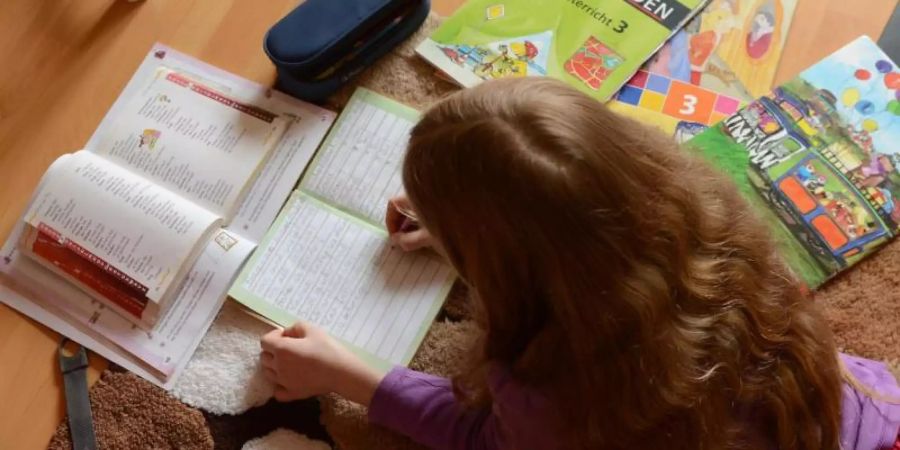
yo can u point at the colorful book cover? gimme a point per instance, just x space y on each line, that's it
732 47
595 45
676 107
818 157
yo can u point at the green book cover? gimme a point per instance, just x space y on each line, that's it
818 158
594 45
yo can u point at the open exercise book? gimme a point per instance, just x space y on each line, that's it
130 245
327 258
819 159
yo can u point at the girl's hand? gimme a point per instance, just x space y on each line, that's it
304 361
405 231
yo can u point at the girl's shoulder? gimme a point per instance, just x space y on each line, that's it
870 414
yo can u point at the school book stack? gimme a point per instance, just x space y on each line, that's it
595 46
706 58
130 245
818 156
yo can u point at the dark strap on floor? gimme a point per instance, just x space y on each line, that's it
78 405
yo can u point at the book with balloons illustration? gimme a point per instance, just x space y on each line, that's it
819 158
595 46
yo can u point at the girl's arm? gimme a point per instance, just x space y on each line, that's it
303 361
424 408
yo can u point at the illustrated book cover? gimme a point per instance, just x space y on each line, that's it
595 46
818 157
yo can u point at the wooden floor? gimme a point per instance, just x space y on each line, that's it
64 62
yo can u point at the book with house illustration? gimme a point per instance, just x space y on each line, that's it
818 156
594 45
732 47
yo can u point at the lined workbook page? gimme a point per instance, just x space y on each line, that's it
358 167
340 273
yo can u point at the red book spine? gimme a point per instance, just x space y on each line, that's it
91 270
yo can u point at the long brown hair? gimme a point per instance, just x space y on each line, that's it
619 275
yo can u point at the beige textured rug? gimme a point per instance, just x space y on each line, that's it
863 307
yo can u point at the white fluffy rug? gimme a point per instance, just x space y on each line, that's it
224 375
282 439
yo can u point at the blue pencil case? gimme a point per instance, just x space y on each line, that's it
322 44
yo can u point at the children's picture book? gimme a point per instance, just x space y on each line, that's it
327 258
732 47
818 157
130 245
594 45
752 46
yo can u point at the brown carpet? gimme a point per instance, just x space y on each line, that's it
132 413
863 307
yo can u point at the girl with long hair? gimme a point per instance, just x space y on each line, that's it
627 295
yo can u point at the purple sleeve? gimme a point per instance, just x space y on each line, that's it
424 408
867 423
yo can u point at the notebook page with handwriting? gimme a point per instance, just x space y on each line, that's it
358 166
328 260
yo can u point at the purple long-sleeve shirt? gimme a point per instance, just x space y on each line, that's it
424 408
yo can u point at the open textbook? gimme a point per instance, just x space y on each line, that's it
125 220
130 245
819 159
327 260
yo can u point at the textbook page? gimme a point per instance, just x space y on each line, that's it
358 167
307 125
143 233
279 175
333 269
192 139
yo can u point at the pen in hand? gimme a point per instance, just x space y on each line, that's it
410 221
404 226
